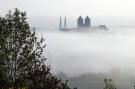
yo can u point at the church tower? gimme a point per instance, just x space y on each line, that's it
65 23
80 22
87 22
60 24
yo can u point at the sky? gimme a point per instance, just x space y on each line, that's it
72 7
41 12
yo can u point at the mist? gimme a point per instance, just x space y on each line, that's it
76 53
50 23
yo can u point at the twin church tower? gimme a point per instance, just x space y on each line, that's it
84 23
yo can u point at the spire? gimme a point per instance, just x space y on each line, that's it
60 23
65 23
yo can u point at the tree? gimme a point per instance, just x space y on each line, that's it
27 64
20 43
3 55
109 84
21 55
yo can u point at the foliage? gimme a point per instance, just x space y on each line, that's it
109 84
21 56
4 67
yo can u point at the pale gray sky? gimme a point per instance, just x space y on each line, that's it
101 11
72 7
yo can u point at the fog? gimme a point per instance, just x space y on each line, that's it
76 53
52 22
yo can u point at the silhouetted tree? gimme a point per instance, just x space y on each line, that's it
4 68
109 84
21 56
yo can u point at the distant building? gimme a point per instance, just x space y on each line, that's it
102 27
82 24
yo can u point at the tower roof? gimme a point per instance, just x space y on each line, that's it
80 18
87 18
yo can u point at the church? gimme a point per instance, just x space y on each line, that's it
82 24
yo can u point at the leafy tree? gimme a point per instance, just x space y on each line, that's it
21 56
4 62
109 84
